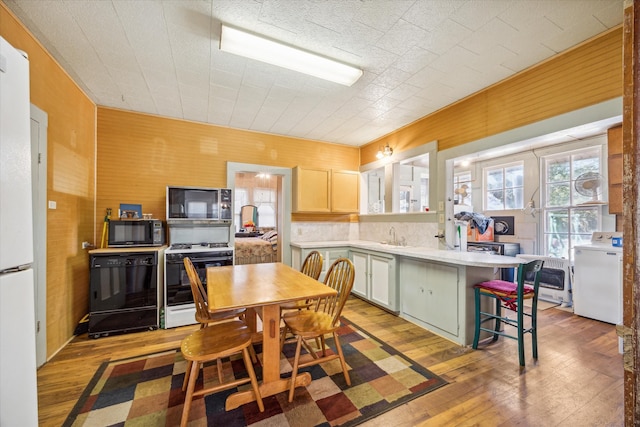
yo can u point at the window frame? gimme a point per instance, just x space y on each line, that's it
572 237
485 190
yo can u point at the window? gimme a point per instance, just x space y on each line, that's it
504 187
241 198
265 199
462 188
570 217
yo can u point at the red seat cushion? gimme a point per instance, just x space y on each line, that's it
502 286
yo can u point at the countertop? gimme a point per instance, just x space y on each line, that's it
472 259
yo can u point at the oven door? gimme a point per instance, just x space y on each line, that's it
177 285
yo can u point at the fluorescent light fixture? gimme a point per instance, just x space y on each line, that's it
255 47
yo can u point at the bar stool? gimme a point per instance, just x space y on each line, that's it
511 296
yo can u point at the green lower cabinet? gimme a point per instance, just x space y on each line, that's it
429 294
375 278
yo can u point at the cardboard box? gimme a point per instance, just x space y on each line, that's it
474 236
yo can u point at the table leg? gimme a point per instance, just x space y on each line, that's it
271 381
270 343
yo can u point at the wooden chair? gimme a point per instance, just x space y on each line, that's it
203 316
511 296
213 343
312 267
324 319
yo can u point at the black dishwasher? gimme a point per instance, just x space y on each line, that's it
123 293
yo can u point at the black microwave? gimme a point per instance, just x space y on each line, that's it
199 204
136 232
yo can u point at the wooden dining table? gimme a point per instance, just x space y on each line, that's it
261 288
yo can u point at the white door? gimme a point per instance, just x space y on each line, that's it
360 261
380 273
39 120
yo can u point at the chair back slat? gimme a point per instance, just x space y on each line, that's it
525 272
339 277
197 289
312 265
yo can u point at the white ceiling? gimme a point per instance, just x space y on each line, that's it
162 57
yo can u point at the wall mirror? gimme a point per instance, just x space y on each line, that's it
248 215
399 184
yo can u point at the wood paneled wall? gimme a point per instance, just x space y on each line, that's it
582 76
70 181
140 154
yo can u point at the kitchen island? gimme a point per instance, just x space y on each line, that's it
430 287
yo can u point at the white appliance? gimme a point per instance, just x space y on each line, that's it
18 385
597 287
207 246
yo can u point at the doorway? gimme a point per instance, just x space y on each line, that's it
282 199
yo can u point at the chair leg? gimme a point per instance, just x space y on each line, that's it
294 372
220 374
252 353
534 328
186 375
498 319
341 356
476 336
193 376
520 315
283 338
252 376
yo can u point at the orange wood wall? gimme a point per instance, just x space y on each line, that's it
71 181
140 154
585 75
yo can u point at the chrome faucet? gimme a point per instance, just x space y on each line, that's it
392 232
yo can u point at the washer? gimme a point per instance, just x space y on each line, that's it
597 290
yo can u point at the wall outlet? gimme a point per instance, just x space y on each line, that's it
86 245
441 206
441 218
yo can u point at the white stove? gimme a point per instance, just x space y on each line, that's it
206 246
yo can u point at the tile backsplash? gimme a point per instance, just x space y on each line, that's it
414 234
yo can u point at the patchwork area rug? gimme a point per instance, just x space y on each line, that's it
146 390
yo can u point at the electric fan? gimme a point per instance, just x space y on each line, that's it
589 184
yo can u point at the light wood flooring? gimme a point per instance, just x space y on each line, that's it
577 381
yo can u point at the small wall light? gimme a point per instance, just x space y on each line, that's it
386 151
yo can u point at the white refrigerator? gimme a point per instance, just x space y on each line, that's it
18 379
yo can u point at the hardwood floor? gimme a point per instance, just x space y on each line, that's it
577 381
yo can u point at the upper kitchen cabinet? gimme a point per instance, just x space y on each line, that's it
325 190
614 147
345 190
